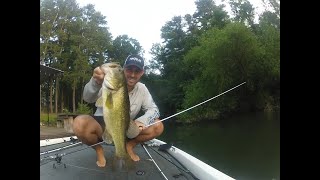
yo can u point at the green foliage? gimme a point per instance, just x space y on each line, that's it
52 119
64 110
202 55
208 55
74 40
243 11
122 47
208 15
225 58
83 108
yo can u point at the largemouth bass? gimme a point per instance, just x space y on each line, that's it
116 107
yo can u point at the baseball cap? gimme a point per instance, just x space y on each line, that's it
135 60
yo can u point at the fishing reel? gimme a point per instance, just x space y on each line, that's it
73 140
58 159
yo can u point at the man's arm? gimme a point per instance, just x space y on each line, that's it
150 108
91 90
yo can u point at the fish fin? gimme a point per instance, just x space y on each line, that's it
107 137
109 100
99 102
122 163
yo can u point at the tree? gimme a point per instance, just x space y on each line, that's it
209 15
74 40
243 12
122 47
225 56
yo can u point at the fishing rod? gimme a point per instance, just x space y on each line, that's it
195 105
154 162
58 149
58 157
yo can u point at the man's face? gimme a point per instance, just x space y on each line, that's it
133 75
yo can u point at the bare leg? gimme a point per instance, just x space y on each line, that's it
88 130
145 135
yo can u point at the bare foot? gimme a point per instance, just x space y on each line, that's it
133 155
101 160
101 163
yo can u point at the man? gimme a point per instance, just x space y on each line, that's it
89 129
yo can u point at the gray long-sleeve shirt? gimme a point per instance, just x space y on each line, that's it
140 99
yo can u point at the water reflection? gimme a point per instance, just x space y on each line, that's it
245 147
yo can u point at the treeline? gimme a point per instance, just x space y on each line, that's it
202 55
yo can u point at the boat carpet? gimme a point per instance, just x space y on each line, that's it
79 163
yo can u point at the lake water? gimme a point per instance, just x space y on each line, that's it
245 147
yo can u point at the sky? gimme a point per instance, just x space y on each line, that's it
142 19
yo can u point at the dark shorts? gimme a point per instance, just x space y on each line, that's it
100 120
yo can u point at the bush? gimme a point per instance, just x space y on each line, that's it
84 109
52 119
64 110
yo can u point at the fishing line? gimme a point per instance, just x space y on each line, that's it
184 170
63 154
195 105
85 168
60 155
154 162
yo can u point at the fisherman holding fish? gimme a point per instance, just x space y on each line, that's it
92 129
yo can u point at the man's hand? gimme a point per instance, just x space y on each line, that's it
140 125
98 75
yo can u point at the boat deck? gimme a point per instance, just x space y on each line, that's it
79 162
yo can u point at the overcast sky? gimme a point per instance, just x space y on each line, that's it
142 19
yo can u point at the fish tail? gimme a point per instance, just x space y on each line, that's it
122 163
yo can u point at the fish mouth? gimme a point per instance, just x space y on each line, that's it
109 88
